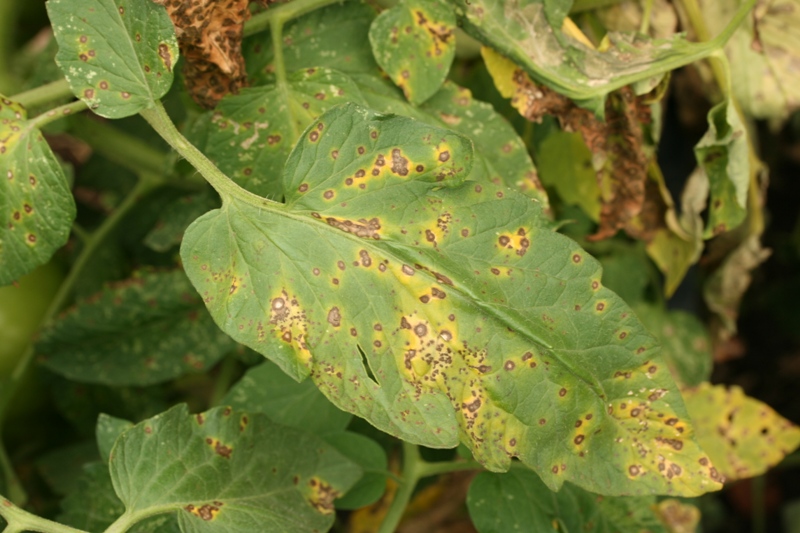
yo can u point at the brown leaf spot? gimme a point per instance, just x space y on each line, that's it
334 317
399 163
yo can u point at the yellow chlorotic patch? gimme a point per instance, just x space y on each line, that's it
205 511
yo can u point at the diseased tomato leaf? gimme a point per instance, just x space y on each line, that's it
36 204
117 55
334 37
519 501
256 475
443 311
743 436
210 40
249 135
147 329
415 44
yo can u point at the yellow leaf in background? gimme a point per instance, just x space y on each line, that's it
677 516
742 436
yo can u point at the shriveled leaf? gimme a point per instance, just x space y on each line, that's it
145 330
441 312
725 288
117 55
267 389
685 343
415 44
36 205
256 475
522 31
678 245
677 516
519 501
93 506
334 36
109 428
723 155
367 454
210 40
500 156
743 436
763 55
565 164
616 144
249 136
181 212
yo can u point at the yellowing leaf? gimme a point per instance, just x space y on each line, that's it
414 43
443 311
679 517
742 436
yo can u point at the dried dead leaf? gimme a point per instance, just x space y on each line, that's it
210 38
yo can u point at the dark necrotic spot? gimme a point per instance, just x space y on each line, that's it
303 187
399 163
578 439
420 168
509 365
328 194
633 470
562 392
504 240
444 156
424 298
334 317
313 136
421 330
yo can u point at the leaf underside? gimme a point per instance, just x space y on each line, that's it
443 311
36 205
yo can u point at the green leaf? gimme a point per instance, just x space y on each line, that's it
367 454
500 155
415 44
249 135
61 468
36 205
266 389
109 428
333 37
147 329
723 155
519 501
93 506
256 475
117 55
442 312
168 232
743 436
523 31
685 343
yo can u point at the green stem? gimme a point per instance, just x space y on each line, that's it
646 15
758 486
411 475
228 369
284 13
8 21
118 146
128 520
21 520
158 118
45 94
58 113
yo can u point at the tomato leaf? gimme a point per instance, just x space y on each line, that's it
117 55
519 501
109 428
266 389
249 135
743 436
442 312
369 455
414 43
145 330
36 205
256 475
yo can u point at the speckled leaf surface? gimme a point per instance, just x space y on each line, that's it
522 31
476 321
519 501
256 475
500 156
117 55
36 205
249 135
147 329
334 37
415 44
685 343
267 389
723 155
743 436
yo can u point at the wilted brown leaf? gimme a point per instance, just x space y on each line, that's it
617 143
210 38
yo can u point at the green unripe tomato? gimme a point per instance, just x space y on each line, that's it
22 307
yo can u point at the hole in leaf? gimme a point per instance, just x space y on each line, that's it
367 368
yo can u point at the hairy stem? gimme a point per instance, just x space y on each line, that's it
21 520
283 13
45 94
58 113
